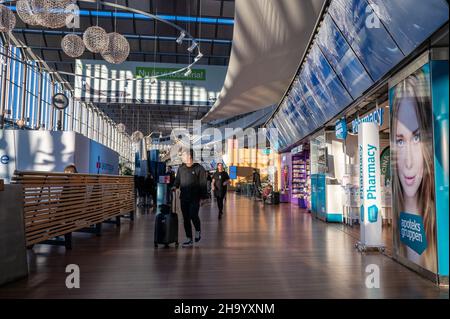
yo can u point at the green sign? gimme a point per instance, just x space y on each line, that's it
385 164
148 72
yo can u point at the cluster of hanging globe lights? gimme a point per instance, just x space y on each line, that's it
113 47
55 14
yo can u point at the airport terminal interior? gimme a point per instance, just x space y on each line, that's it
224 149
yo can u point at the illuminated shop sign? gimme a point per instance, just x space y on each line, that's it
374 117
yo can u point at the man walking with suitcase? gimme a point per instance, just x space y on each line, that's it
191 179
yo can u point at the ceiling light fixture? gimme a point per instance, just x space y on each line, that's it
52 13
137 136
96 39
73 45
192 47
188 72
7 19
26 12
198 57
118 49
181 37
121 128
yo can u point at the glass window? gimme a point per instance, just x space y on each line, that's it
46 100
373 44
32 94
343 59
2 69
411 21
15 87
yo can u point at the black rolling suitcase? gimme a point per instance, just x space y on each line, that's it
166 227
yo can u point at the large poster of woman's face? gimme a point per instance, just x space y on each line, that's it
413 170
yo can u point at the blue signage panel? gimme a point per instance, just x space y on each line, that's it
341 129
233 172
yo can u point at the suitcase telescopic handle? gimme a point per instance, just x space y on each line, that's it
174 200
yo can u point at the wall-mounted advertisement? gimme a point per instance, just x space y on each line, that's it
135 83
413 170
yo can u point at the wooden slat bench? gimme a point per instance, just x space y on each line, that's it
57 204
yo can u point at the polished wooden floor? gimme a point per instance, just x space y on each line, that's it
256 251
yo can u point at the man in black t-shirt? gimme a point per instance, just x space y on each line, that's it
219 186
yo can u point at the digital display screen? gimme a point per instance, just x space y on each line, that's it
410 22
358 42
371 42
343 59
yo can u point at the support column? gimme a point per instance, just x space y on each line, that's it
370 183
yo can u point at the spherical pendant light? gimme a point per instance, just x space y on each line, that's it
73 45
118 49
137 136
121 128
25 12
7 19
52 13
96 39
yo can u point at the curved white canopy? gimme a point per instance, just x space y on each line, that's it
269 40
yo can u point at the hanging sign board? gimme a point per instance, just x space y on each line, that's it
341 129
370 188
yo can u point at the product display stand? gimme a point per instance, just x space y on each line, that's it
301 179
